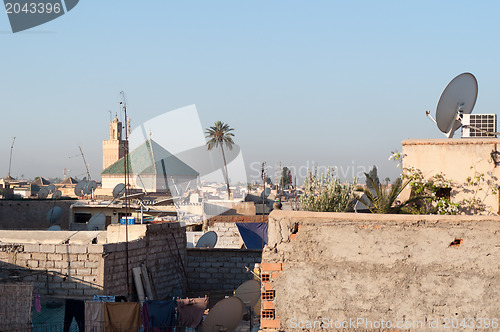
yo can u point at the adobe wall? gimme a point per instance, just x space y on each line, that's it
31 214
338 267
84 265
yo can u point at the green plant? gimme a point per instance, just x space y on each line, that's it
325 193
381 198
219 135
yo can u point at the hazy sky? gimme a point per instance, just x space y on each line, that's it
338 83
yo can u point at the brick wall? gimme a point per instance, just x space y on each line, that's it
219 269
82 270
227 231
162 249
61 270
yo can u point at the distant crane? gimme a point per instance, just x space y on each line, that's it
11 148
85 162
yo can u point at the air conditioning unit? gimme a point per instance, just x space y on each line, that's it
479 125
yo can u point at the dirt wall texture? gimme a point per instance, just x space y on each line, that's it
332 268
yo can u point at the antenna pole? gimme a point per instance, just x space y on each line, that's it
127 184
11 148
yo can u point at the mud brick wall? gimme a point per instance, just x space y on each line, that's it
162 249
398 268
219 269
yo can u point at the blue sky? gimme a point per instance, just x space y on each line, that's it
338 83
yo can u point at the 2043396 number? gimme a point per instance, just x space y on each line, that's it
32 8
470 323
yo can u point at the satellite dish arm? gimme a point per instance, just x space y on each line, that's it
428 114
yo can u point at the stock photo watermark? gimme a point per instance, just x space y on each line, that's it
26 14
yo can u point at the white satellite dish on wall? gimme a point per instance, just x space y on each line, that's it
51 188
43 193
90 187
224 316
57 194
97 222
119 190
80 187
457 99
207 240
54 214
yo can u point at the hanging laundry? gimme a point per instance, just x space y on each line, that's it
94 316
104 298
76 309
190 311
162 315
122 316
145 317
38 305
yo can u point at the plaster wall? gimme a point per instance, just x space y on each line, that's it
398 268
457 159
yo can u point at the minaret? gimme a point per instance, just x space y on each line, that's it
114 148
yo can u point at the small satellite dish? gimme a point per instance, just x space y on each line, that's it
57 194
224 316
80 186
266 192
54 214
54 228
43 193
458 98
90 187
118 190
207 240
51 188
249 292
97 222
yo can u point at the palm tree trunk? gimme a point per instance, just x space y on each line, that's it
225 172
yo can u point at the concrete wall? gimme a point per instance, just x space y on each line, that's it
219 269
457 159
83 268
31 214
333 267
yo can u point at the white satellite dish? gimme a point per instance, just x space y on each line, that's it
207 240
97 222
90 187
119 190
51 188
54 214
57 194
249 292
43 193
54 228
457 99
224 316
80 187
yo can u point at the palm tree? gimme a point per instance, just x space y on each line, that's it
380 198
219 135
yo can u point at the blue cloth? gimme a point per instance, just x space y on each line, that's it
104 298
162 315
252 232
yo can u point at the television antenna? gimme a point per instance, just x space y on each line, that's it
10 159
457 99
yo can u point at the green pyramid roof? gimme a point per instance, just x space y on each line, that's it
150 158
